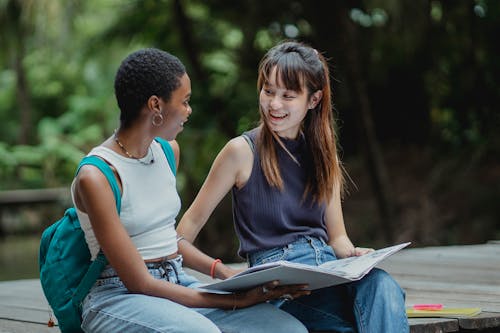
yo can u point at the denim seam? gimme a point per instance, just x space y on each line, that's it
317 250
359 316
128 321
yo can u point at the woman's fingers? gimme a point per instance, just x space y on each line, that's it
290 292
274 290
359 251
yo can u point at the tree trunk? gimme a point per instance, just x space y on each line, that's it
15 39
190 45
23 99
368 138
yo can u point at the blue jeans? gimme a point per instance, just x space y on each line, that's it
110 307
376 303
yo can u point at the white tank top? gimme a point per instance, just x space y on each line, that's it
149 203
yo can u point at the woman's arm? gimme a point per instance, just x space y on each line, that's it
192 256
94 196
232 167
337 234
201 262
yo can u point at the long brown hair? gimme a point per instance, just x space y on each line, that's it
299 66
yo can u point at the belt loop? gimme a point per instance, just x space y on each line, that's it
165 267
163 272
175 272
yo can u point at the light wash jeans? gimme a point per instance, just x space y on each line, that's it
110 307
376 303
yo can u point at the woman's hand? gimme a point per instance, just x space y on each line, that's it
352 252
343 248
269 291
359 251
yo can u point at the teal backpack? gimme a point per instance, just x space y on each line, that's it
66 271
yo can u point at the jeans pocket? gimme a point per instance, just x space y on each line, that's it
88 318
267 256
329 253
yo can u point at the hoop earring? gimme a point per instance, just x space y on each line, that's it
155 120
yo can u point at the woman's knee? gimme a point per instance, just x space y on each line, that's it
288 324
386 282
262 317
380 284
272 319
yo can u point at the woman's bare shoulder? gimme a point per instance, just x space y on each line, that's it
238 148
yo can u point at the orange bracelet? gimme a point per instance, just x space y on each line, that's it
212 268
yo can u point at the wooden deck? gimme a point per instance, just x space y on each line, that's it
457 276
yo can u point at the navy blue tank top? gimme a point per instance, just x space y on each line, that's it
266 217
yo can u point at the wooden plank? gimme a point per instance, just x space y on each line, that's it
442 271
433 325
452 301
444 275
469 288
426 325
23 300
451 254
481 321
457 276
25 314
19 197
413 262
453 297
14 326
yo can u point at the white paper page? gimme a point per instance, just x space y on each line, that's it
355 267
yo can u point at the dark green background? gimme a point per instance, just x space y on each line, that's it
415 86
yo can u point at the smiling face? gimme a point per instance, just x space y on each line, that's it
177 110
284 109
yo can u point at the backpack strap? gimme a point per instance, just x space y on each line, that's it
107 171
169 152
100 262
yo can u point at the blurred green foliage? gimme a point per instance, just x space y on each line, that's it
430 68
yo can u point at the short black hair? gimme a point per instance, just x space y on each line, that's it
142 74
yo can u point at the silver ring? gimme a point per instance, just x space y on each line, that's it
287 297
264 290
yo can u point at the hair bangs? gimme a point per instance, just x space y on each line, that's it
290 71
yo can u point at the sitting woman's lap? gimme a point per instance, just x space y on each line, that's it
374 301
110 307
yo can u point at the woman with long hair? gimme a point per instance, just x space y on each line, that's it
286 181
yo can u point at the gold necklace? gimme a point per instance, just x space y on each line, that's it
115 135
